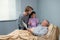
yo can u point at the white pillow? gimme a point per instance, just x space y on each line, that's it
50 28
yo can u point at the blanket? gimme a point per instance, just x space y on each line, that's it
26 35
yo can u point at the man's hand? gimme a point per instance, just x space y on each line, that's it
30 29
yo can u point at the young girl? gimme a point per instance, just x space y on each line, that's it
33 21
24 17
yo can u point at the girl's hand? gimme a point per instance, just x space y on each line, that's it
29 23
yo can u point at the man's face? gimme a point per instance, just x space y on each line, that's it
44 23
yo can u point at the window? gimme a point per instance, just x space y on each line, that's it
7 10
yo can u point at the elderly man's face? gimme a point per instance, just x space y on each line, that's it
44 23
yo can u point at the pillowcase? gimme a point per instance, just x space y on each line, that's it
50 28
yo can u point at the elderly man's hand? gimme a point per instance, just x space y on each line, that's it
30 29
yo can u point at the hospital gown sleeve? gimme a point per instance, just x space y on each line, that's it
40 31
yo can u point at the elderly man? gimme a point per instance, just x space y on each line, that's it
41 29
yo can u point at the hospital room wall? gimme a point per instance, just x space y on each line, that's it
32 3
50 10
7 27
46 9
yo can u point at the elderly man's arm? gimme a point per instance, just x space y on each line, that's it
30 29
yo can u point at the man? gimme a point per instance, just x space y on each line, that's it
41 29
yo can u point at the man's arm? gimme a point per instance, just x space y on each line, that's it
30 30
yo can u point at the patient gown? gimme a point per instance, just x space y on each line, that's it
40 30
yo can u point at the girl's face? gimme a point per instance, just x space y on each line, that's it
33 16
